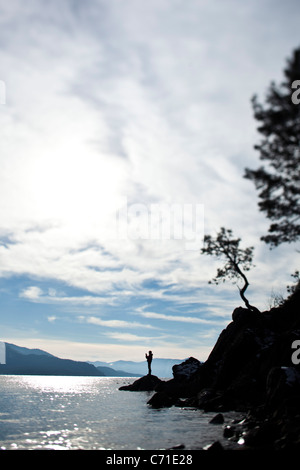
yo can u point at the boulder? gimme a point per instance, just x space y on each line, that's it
229 431
161 400
147 383
244 316
217 419
186 370
261 436
282 386
214 447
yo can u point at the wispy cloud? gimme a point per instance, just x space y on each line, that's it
51 319
32 293
113 323
131 338
35 294
183 318
147 102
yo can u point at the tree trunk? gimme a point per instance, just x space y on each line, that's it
242 293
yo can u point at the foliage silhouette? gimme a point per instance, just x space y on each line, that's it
279 183
237 260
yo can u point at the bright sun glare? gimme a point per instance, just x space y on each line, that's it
74 188
61 384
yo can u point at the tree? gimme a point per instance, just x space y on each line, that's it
237 260
279 183
296 287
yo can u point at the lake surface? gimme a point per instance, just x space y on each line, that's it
90 413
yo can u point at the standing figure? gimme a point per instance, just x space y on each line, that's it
149 360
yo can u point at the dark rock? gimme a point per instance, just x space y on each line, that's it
233 355
283 384
244 316
147 383
261 436
179 446
217 419
161 400
187 369
215 447
229 431
178 388
204 397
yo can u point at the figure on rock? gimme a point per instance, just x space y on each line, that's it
149 357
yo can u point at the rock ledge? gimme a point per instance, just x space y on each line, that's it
147 383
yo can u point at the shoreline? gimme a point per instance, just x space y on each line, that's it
250 370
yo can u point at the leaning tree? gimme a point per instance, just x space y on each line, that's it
278 179
237 260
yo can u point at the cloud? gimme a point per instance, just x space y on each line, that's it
113 323
147 103
36 294
177 318
131 338
52 318
118 91
32 293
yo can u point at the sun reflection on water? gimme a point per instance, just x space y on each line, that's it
59 384
59 413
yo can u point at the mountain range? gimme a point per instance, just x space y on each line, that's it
160 367
17 360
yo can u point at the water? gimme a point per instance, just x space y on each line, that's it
90 413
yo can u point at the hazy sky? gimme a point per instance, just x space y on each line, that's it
124 107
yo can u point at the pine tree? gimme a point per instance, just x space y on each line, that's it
279 183
237 260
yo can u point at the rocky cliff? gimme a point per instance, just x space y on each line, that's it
253 368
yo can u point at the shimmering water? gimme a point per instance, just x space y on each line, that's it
54 412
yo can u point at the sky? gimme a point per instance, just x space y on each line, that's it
126 126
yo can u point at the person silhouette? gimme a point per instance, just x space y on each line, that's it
149 360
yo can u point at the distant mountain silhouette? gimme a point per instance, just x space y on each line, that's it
22 350
24 361
160 366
